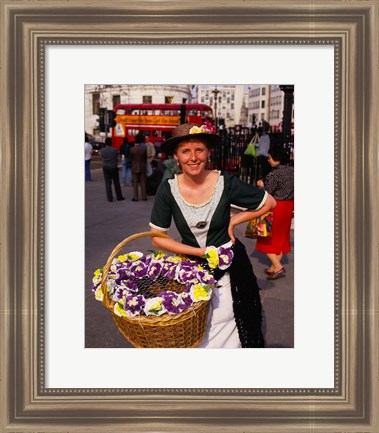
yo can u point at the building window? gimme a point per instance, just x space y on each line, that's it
116 100
232 105
168 99
202 100
263 90
146 99
95 103
262 104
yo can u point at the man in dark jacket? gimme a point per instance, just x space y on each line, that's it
138 156
109 156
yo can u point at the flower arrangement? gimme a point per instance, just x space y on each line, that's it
207 128
139 284
220 257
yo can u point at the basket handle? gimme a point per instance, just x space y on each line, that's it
114 253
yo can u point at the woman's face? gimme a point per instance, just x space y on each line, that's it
272 162
192 156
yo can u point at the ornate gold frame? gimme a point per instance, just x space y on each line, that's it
27 27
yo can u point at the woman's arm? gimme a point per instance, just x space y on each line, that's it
248 215
176 247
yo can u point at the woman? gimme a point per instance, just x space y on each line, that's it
199 200
280 184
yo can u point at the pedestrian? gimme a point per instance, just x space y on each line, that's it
262 154
280 184
88 149
150 149
138 156
109 156
153 181
171 167
126 165
199 200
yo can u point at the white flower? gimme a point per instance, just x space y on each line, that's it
154 307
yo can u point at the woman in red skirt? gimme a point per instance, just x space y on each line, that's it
280 184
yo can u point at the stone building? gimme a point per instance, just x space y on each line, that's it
226 100
266 103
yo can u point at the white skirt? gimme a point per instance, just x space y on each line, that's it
221 329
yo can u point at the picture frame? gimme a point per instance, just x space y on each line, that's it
28 27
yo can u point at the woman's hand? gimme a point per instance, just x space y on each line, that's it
247 215
260 183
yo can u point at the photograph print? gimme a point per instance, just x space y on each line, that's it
189 216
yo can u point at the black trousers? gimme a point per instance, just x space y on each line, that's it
264 167
111 175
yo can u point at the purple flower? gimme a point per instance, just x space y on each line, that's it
147 259
131 285
133 304
205 277
185 275
168 270
225 256
186 297
120 293
173 302
138 269
154 270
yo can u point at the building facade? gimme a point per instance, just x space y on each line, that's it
266 103
226 101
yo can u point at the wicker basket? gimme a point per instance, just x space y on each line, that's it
186 329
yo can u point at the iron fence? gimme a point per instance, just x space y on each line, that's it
229 155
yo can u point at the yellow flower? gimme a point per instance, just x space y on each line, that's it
156 306
195 130
199 292
212 258
134 255
99 296
97 272
159 255
175 259
122 258
119 309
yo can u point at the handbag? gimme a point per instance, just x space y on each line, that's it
251 148
260 227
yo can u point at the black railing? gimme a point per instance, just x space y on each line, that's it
229 155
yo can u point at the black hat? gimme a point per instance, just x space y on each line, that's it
187 131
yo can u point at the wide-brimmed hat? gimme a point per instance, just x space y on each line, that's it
187 131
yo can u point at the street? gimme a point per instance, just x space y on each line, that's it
108 223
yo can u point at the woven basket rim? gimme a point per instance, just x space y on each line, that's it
165 319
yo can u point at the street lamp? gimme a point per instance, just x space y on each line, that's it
215 93
287 112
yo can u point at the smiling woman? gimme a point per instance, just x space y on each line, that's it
199 200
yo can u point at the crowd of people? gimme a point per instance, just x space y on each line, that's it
198 200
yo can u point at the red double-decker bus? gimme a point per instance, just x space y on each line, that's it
155 120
